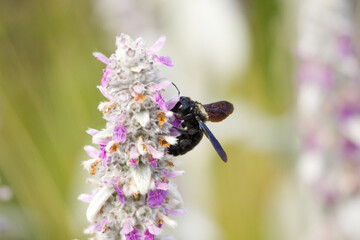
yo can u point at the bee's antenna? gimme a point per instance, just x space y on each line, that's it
176 88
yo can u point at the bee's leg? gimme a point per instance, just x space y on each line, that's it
185 117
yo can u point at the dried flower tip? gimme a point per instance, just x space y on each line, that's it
162 119
112 147
163 142
106 107
171 164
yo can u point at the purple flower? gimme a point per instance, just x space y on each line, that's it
92 131
164 60
134 235
120 193
85 197
133 162
161 85
131 150
96 227
101 57
91 151
120 133
175 211
172 102
158 98
152 161
104 78
173 174
148 235
345 45
156 197
102 153
162 185
157 45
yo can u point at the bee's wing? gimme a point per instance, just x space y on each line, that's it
218 111
213 141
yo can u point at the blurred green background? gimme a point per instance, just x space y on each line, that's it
48 98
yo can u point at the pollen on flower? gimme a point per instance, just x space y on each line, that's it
163 142
105 229
171 164
93 169
162 119
106 107
159 221
114 147
139 97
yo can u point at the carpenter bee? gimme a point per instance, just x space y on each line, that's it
193 116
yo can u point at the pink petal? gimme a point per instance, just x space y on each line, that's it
104 82
175 211
91 151
162 186
138 88
166 61
127 228
173 174
172 102
96 227
85 197
154 229
155 153
157 45
105 161
161 85
120 118
101 141
152 161
158 98
92 131
134 152
101 57
103 92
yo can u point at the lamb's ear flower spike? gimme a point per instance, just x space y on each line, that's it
130 165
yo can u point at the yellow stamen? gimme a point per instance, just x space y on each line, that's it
109 107
135 195
171 164
139 97
163 142
93 168
145 147
105 229
114 147
159 222
162 119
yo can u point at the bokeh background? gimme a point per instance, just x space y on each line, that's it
240 51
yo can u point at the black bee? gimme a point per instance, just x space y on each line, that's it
193 115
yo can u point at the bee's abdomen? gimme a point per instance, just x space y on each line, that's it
186 142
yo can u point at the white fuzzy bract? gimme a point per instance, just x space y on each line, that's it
131 164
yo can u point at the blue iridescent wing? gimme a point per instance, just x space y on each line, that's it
213 141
